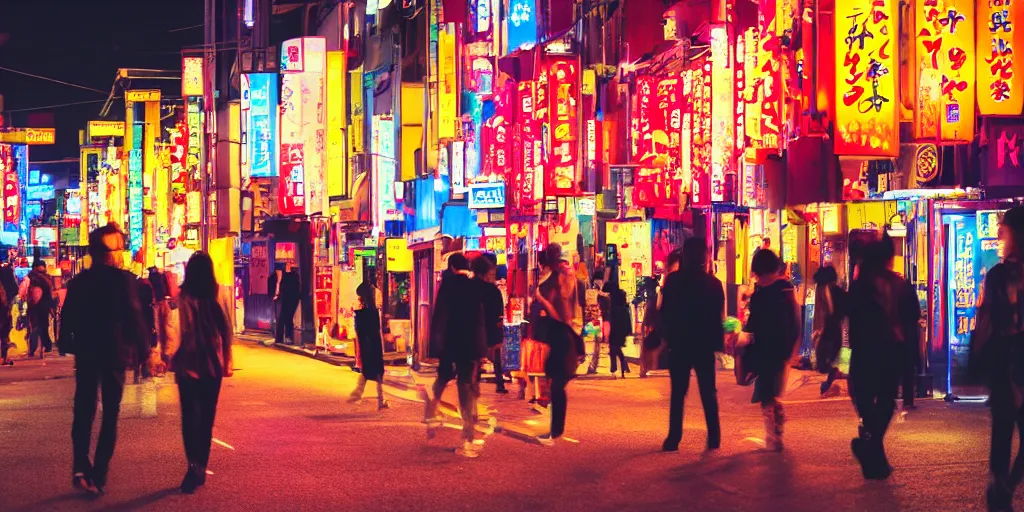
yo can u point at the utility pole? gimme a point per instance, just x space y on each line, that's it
209 86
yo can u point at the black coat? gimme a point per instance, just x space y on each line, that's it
291 288
101 322
371 347
691 312
9 282
494 312
458 328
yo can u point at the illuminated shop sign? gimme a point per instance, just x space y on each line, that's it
194 120
700 129
945 63
28 136
769 59
448 92
563 96
106 128
1000 91
192 76
458 166
12 190
722 114
866 45
262 125
384 166
291 196
521 24
135 198
486 195
143 96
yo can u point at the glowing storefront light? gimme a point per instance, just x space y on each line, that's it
448 92
866 45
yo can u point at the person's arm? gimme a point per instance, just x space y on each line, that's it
68 321
134 326
227 334
717 297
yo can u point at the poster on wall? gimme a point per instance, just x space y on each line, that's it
866 50
999 70
259 268
963 289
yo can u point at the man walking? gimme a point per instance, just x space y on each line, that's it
102 325
289 296
458 329
39 295
692 311
484 273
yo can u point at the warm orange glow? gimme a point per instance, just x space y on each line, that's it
1000 71
866 51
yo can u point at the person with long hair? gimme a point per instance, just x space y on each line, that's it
692 312
884 314
774 322
199 353
617 324
371 347
995 360
827 325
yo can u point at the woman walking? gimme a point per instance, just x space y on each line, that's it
996 358
200 356
371 348
774 323
827 331
617 325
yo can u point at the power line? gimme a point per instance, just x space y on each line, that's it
182 29
69 84
59 105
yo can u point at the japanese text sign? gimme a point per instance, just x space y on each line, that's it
563 81
1000 71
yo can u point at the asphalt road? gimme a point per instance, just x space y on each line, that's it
286 440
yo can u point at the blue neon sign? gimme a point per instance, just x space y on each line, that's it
262 128
521 24
487 195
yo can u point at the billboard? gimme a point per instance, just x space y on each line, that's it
261 129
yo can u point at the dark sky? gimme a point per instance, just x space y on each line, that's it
85 42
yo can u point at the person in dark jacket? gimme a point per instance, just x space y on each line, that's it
371 347
617 324
827 332
774 321
458 328
995 360
884 314
40 303
484 272
199 352
289 296
102 326
692 311
9 281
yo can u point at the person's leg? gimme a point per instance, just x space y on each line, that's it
357 393
289 322
594 358
210 389
381 402
445 373
467 398
278 323
679 375
885 405
87 381
5 345
613 352
558 406
188 397
33 339
112 384
705 369
909 378
44 322
499 370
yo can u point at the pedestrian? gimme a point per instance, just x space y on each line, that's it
458 329
884 314
774 322
8 281
692 311
274 293
484 275
996 360
6 323
199 353
371 346
102 326
289 297
39 297
827 325
616 325
162 306
559 299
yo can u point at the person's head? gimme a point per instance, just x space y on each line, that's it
458 262
279 268
553 255
826 275
766 243
878 255
367 295
39 266
200 281
105 246
765 264
483 268
673 260
1011 232
694 255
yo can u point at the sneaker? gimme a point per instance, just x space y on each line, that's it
191 481
81 482
469 449
546 440
669 446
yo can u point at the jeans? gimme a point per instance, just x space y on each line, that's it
286 322
466 376
875 381
88 380
198 408
679 372
559 404
499 372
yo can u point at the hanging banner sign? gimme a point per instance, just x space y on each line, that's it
458 167
291 194
527 183
740 84
191 76
383 138
564 92
722 114
194 120
12 188
954 50
135 199
262 128
769 60
448 88
866 49
701 133
1000 71
337 185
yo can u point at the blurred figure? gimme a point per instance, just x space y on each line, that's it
559 301
692 311
617 324
149 320
274 292
9 281
883 313
289 296
458 329
6 323
484 275
199 353
995 359
102 326
827 332
39 297
371 346
774 322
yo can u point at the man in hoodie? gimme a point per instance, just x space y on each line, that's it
458 329
102 326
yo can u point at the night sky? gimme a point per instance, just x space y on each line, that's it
84 42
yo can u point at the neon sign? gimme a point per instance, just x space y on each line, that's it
999 70
563 80
262 128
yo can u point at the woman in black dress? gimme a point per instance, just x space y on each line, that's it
371 348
